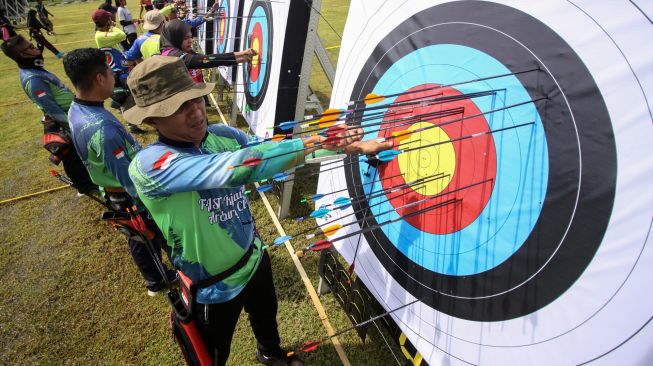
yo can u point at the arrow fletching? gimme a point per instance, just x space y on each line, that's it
372 98
320 245
320 213
401 135
285 126
264 188
331 140
334 130
332 229
282 239
387 155
280 177
317 196
310 346
342 201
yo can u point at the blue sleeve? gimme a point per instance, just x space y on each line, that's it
169 172
114 142
39 92
196 22
134 52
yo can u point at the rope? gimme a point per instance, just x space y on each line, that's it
32 194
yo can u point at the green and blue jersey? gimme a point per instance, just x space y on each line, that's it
200 204
48 93
103 144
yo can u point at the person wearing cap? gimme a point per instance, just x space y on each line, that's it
147 44
53 98
106 148
107 34
199 202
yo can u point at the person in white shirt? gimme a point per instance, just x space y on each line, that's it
127 22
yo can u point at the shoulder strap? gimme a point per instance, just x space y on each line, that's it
228 272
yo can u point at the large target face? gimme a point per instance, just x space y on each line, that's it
259 37
222 26
518 182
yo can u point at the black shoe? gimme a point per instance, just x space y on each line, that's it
155 289
278 359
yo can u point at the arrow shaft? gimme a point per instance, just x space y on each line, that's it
457 83
468 137
418 212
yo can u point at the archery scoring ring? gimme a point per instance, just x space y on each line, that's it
259 37
513 258
441 147
224 14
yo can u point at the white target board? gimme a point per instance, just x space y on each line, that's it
263 29
226 32
523 225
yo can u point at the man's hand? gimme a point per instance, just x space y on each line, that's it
245 56
351 143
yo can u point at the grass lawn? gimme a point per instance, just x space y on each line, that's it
70 293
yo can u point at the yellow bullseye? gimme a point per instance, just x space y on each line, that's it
425 163
255 45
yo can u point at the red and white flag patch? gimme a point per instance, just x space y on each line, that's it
164 161
40 93
119 153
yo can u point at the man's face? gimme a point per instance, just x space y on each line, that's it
105 82
27 50
187 124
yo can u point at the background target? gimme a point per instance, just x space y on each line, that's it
265 94
543 242
223 26
259 36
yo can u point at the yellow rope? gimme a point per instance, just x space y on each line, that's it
32 194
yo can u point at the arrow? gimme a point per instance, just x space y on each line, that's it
312 346
344 202
323 244
318 196
394 209
335 115
374 98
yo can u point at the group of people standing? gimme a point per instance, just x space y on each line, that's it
181 186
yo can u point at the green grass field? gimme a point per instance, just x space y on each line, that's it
71 294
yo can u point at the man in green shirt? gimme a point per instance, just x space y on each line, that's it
201 207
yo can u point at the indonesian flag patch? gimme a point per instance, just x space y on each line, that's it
40 93
164 161
119 153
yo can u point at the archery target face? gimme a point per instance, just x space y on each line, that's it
536 235
263 29
222 26
258 31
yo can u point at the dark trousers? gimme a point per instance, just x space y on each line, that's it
42 42
76 171
217 322
146 263
127 43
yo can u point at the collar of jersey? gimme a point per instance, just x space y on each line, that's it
180 144
89 103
